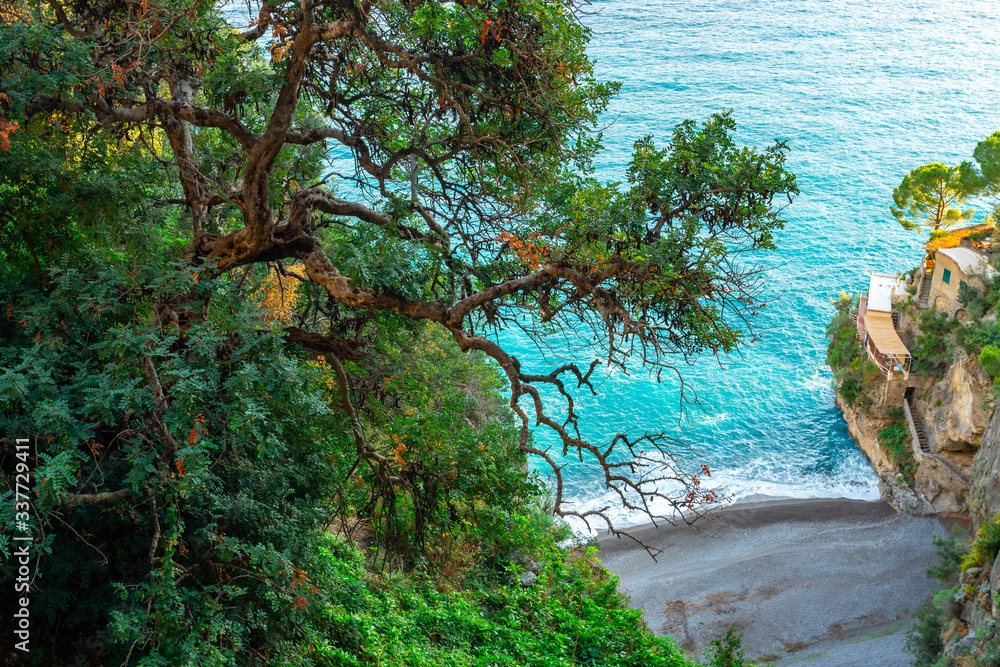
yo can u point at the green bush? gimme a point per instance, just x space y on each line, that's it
977 335
842 332
990 360
984 549
951 550
852 390
896 442
933 349
924 641
727 651
843 348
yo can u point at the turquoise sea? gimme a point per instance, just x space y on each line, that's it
863 92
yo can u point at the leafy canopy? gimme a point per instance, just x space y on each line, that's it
425 160
930 197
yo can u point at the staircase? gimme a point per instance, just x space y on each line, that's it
917 431
925 290
920 437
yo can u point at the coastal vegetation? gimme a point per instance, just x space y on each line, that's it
895 441
254 289
931 197
856 377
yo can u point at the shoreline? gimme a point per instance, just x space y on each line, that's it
819 580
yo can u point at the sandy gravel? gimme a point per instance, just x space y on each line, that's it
832 583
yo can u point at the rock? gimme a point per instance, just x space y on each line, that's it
527 579
972 573
979 616
961 647
527 562
984 484
953 413
902 498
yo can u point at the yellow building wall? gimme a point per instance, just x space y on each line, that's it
947 291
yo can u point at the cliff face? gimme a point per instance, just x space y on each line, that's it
955 415
974 604
954 412
863 428
984 483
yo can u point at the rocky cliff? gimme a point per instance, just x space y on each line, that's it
863 425
955 413
972 613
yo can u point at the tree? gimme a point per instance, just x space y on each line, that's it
425 161
983 178
929 197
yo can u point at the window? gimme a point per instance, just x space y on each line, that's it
946 276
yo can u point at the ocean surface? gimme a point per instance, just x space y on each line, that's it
862 92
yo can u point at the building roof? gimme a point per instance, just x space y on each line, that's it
882 332
969 261
880 291
955 236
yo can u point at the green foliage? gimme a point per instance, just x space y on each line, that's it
924 641
843 334
929 197
951 550
989 357
933 349
895 441
573 615
224 486
984 549
983 178
727 651
61 191
854 374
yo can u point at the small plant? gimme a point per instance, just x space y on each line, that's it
728 651
951 550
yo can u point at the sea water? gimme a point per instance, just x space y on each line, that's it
862 92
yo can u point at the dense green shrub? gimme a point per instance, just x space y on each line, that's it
924 641
989 357
219 550
852 390
933 349
842 332
951 550
984 549
223 478
843 348
977 335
